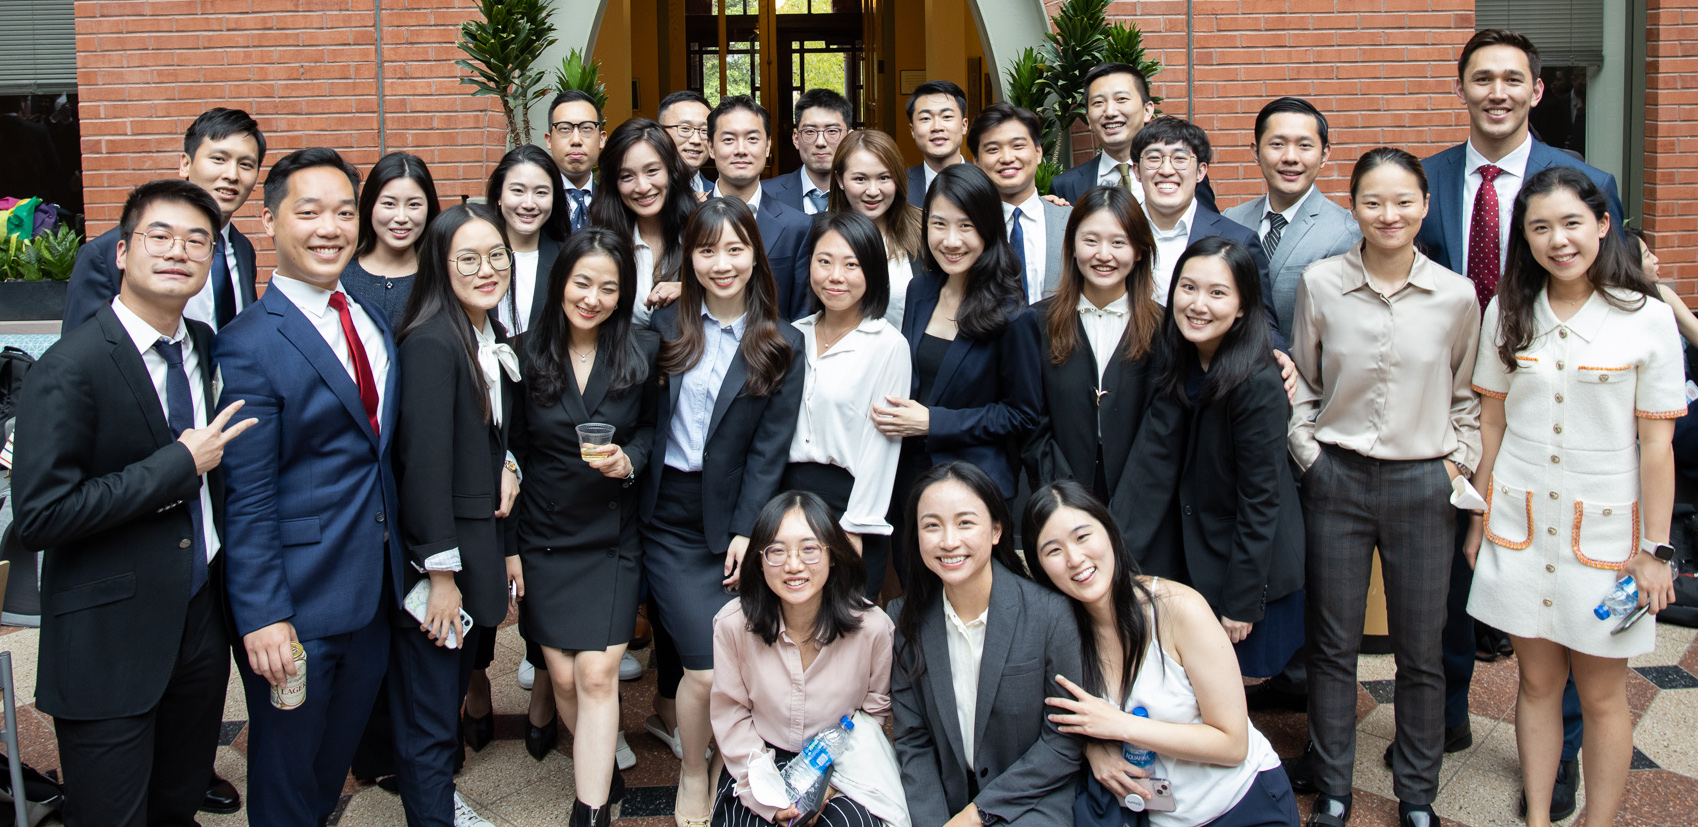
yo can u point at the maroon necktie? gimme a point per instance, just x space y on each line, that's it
1484 264
357 352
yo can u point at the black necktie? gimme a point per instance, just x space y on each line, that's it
1270 242
580 208
223 295
180 410
1017 237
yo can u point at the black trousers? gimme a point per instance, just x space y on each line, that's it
154 768
426 683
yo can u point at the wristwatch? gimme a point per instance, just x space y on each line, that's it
1661 551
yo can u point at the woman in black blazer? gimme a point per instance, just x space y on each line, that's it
585 362
975 343
1243 529
1099 333
733 374
460 379
975 744
525 186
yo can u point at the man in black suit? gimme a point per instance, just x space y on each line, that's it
740 132
822 119
684 117
222 153
576 134
1117 105
937 120
117 478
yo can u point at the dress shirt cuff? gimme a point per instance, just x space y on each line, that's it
1460 456
879 527
1304 448
513 463
442 561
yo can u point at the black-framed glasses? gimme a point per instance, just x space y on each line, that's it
585 128
159 243
686 131
831 133
776 555
470 264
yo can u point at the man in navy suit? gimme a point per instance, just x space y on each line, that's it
222 152
576 134
822 119
740 133
1117 105
937 120
1006 145
311 495
1498 79
684 117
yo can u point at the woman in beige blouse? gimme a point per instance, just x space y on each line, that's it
800 649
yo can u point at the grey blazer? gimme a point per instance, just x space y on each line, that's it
1023 768
1322 229
1055 234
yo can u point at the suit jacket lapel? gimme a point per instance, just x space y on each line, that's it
1292 238
202 337
999 638
134 371
958 349
245 263
728 390
1452 186
934 644
547 250
1055 234
301 333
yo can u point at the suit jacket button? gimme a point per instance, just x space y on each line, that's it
612 552
380 516
185 543
1187 511
613 505
549 506
984 771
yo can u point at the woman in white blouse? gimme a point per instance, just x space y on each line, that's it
640 164
855 359
1580 373
872 181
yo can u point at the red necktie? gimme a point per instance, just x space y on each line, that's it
357 352
1484 264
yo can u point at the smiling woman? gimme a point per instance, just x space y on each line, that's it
396 204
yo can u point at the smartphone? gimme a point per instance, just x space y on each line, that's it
1160 800
1627 622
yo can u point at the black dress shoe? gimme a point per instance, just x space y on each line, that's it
586 816
1562 795
1416 815
478 731
1266 696
1456 739
1331 811
1300 771
616 790
539 741
390 784
221 797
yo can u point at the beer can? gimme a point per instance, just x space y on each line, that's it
293 692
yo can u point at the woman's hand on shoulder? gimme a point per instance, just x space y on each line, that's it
1085 714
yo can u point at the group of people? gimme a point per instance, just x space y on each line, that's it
1118 449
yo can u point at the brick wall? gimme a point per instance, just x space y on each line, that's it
306 69
1671 139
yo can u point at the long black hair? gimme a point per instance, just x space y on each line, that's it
1129 594
994 291
394 167
924 586
547 368
1615 269
559 217
433 288
1245 349
841 600
1144 316
865 240
609 210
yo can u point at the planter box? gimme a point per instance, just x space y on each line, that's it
25 301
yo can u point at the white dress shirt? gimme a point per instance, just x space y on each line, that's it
203 306
932 173
1032 224
835 425
1290 214
1108 175
571 209
808 188
1508 184
1104 327
754 201
644 256
966 651
145 336
901 272
516 315
314 303
1170 245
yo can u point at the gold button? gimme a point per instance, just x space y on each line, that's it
1559 398
1547 602
1562 334
1557 428
1606 512
1551 531
1553 495
1555 458
1559 364
1549 567
184 544
1604 378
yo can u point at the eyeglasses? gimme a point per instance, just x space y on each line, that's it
831 133
687 131
1152 160
779 555
584 128
159 243
470 264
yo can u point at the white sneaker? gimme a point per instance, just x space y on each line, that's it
622 754
527 675
657 728
465 816
629 668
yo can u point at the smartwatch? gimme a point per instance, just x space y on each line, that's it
1661 551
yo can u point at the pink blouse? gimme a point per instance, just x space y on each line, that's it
761 695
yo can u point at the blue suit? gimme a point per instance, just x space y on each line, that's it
786 235
917 185
311 499
786 189
1070 186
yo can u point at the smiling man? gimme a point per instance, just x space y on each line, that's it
937 121
684 117
575 137
222 153
741 133
822 119
1005 143
1118 103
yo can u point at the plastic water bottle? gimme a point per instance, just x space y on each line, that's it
1140 758
809 765
1623 598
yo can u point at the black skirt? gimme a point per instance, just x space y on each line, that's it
581 599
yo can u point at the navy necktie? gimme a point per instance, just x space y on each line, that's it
180 408
580 215
1018 238
223 295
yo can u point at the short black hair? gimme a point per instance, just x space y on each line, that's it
681 96
277 181
573 95
1291 106
218 123
1170 130
733 104
998 114
1499 37
172 189
1103 70
825 99
938 87
865 240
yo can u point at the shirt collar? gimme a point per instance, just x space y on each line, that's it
1032 208
1515 163
486 334
737 327
808 183
142 334
754 201
588 187
1356 273
1587 322
807 324
1118 307
1106 168
1183 228
957 622
1289 213
309 298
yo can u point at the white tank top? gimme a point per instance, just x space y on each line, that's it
1201 792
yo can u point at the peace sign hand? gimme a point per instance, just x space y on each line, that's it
207 444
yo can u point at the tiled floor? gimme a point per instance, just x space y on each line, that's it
1478 786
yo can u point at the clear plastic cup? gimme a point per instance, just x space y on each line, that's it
595 441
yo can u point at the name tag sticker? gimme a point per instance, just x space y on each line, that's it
1691 391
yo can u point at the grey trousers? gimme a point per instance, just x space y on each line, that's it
1351 505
